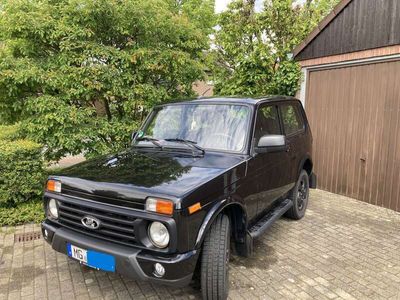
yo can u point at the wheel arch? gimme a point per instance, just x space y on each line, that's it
306 164
237 216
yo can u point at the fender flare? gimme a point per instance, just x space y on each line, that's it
302 162
211 216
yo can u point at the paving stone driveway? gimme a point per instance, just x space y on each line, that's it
342 249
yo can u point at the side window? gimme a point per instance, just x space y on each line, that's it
267 122
292 118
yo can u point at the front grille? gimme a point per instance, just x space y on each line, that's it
132 203
113 227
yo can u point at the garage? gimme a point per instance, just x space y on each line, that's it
351 92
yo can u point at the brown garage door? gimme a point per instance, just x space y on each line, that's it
354 114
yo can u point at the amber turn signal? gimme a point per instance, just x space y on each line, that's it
195 207
161 206
53 186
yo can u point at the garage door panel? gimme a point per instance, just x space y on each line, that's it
374 141
324 144
392 180
353 129
353 112
393 183
390 116
385 129
354 137
342 156
362 153
330 135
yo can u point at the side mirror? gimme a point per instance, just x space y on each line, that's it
271 143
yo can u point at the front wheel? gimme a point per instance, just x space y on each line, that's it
215 259
299 196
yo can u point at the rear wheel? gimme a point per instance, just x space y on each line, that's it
299 196
215 259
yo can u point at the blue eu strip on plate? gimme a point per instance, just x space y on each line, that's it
94 259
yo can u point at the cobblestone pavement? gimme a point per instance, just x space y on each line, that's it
342 249
68 161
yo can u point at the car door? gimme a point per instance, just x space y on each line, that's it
270 166
294 129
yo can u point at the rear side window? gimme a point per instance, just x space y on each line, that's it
292 119
267 121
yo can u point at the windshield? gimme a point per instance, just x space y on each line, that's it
210 126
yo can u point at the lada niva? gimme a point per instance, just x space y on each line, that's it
201 179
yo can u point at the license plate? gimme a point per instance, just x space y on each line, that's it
94 259
79 253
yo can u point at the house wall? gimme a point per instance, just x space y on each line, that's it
361 25
203 88
354 56
359 57
351 92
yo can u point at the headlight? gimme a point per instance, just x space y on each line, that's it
52 209
158 234
161 206
53 186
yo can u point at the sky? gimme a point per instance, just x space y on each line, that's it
220 5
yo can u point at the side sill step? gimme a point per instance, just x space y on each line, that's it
265 222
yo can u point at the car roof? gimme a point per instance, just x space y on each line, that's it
235 99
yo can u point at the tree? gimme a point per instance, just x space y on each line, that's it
200 12
78 74
252 49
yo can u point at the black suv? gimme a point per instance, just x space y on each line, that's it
200 176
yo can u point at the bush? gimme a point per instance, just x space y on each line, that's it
8 133
21 170
29 212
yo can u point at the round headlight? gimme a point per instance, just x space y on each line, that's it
158 234
53 209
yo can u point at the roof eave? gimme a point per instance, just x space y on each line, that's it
320 27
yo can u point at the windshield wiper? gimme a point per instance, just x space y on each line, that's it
189 143
150 139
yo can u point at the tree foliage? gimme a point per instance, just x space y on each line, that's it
252 49
79 73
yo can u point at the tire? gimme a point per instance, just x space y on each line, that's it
215 259
299 195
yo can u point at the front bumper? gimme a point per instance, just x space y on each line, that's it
131 262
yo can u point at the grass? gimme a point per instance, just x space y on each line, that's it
27 212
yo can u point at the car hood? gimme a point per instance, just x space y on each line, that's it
134 175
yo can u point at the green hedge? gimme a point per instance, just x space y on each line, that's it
28 212
21 169
8 133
